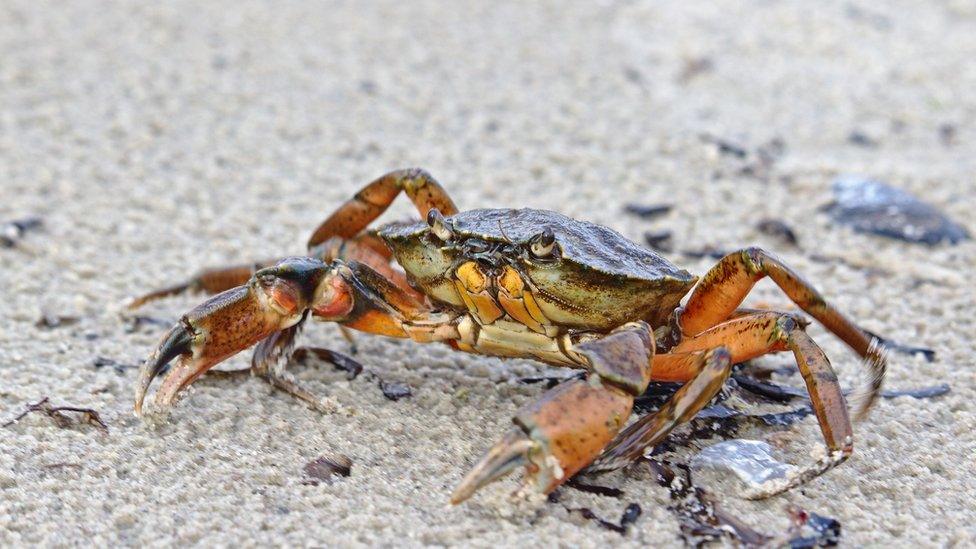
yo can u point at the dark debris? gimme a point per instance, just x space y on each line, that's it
707 251
57 413
594 488
135 323
660 241
702 520
699 518
647 211
871 206
896 347
326 468
50 321
778 229
825 530
119 367
395 390
862 139
629 516
351 366
725 146
12 232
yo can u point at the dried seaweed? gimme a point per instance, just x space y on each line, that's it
826 530
649 211
901 348
326 468
784 393
702 520
351 366
57 413
630 515
12 232
594 489
698 516
50 320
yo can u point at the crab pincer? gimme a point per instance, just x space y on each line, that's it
274 299
567 428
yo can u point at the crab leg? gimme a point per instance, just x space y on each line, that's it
725 286
569 425
208 281
744 338
369 203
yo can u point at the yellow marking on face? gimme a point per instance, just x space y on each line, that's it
487 309
471 277
533 308
481 304
516 309
465 296
511 282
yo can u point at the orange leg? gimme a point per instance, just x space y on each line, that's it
725 286
208 281
369 203
744 337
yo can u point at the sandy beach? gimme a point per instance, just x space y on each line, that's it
155 139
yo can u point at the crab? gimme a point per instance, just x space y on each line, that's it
531 284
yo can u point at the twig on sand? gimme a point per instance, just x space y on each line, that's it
56 413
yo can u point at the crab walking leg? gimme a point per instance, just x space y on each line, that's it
370 202
725 286
744 338
569 425
713 368
208 281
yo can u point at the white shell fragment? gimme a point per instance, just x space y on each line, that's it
750 460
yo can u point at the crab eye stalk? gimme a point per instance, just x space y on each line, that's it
439 225
543 244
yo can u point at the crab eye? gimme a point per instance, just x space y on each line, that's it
543 244
438 225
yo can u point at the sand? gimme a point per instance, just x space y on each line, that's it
157 138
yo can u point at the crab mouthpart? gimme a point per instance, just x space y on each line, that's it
511 452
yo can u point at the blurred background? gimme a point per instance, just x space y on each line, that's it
151 139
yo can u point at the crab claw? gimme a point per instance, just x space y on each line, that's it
274 299
509 453
555 437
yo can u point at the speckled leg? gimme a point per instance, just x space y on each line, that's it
724 287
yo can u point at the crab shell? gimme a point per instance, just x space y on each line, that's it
595 279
